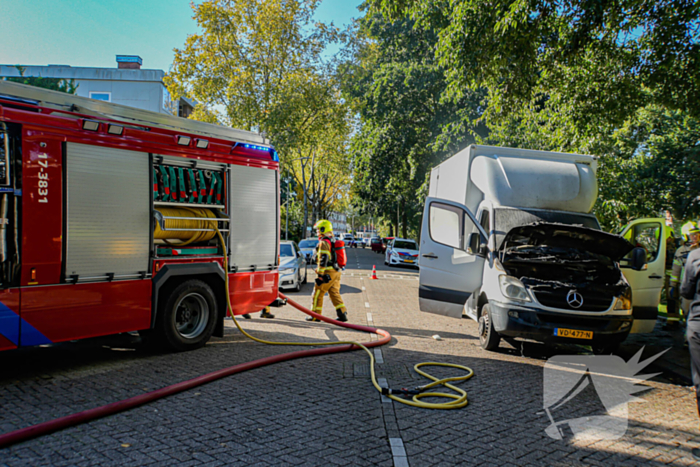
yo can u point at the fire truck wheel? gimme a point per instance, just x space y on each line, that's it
187 320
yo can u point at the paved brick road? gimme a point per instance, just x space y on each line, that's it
322 410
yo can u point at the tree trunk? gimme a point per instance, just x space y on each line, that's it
404 220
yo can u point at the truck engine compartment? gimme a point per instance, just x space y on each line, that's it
554 259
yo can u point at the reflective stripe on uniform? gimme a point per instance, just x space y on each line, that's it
324 270
317 294
340 305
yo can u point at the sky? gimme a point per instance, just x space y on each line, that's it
90 33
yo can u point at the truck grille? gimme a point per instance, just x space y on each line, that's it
574 321
557 299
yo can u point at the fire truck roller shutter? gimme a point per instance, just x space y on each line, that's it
108 197
254 216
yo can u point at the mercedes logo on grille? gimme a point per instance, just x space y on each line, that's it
574 299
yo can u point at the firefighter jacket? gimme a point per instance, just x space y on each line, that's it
691 285
679 263
324 257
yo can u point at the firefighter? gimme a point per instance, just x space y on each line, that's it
328 280
691 234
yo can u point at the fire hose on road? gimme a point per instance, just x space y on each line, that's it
458 400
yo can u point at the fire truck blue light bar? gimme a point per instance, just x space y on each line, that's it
257 148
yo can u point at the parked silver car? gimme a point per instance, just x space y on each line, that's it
308 247
292 269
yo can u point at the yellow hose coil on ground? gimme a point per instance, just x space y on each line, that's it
185 236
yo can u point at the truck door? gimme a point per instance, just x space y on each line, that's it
647 283
449 270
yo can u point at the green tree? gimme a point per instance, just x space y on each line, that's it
396 86
601 55
316 147
258 65
655 165
615 79
249 58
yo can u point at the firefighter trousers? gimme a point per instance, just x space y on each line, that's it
693 336
332 288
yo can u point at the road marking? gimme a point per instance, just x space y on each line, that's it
366 304
378 356
369 317
398 452
363 287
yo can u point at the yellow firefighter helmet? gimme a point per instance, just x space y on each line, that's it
324 226
690 227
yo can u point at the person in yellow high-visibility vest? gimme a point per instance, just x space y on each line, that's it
328 274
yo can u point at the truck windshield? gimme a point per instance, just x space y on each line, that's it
508 218
308 243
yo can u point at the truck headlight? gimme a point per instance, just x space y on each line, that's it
284 272
624 301
512 288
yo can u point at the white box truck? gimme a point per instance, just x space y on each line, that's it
508 239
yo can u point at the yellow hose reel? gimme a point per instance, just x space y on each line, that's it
180 224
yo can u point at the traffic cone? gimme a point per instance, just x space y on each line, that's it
374 272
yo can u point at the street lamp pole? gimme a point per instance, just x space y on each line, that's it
303 181
286 228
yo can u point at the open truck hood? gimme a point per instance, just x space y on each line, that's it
569 236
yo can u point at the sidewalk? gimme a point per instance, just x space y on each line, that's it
674 364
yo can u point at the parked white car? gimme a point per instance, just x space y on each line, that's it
293 271
401 251
308 247
349 240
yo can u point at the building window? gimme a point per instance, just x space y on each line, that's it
167 101
101 96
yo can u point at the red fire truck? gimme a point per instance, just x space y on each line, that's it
101 228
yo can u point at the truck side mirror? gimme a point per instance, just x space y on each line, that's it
473 243
475 246
639 259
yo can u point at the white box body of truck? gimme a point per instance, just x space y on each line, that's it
508 239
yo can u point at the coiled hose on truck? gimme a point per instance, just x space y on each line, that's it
189 230
458 400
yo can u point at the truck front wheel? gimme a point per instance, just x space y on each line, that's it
187 320
488 337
